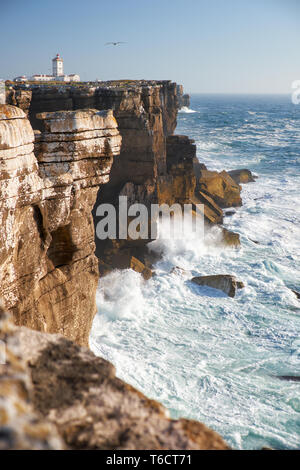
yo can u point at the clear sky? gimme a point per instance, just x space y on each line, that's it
210 46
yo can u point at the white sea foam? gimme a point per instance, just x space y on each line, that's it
186 110
204 355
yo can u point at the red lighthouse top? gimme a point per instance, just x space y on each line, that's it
57 57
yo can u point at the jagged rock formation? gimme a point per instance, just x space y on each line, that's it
221 187
60 388
179 182
20 98
183 98
48 270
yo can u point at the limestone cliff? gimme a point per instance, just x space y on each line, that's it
155 166
50 181
48 270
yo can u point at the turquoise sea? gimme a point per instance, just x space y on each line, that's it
203 355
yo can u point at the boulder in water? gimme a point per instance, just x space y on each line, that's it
230 238
224 282
289 378
229 213
242 176
179 271
297 294
126 261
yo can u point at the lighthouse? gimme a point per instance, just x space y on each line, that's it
57 73
57 66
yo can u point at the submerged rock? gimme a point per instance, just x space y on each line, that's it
254 241
224 282
290 378
139 267
179 271
230 238
242 176
297 294
125 260
229 213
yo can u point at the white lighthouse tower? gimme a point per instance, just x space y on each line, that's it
57 66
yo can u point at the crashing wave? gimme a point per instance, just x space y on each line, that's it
187 110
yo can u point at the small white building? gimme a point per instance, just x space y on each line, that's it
41 78
68 78
74 77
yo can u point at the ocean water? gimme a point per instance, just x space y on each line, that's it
203 355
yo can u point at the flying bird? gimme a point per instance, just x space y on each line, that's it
115 43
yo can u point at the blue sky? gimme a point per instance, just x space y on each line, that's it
210 46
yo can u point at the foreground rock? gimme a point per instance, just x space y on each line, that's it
49 273
78 394
223 282
242 176
21 427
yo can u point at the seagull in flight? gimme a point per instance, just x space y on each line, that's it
115 43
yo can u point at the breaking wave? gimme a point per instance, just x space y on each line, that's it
186 110
206 356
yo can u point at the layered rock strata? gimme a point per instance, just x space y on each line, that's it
155 166
221 187
48 270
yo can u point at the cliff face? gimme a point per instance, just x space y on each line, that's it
48 270
154 166
146 113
